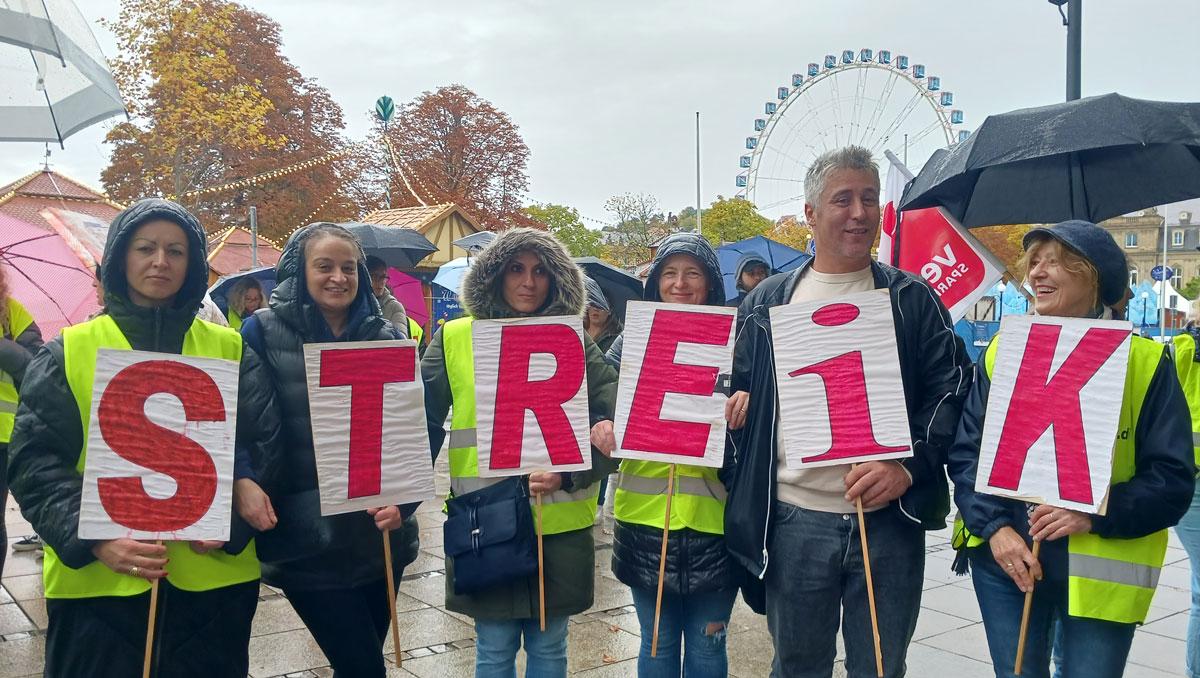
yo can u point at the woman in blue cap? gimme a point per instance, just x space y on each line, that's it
1096 573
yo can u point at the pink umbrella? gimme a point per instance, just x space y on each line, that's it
408 291
45 275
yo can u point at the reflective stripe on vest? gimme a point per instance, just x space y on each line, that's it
562 511
1113 579
19 320
697 502
188 570
1184 345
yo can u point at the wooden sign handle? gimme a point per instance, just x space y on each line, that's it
662 560
146 659
541 568
862 535
1037 547
391 592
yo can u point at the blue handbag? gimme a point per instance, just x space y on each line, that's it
490 537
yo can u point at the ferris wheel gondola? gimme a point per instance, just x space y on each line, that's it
869 98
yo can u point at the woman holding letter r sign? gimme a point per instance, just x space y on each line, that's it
1096 570
98 593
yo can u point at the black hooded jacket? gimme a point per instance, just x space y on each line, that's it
746 260
697 562
936 376
48 436
353 556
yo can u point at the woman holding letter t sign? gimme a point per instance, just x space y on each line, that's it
522 274
1047 436
330 567
99 592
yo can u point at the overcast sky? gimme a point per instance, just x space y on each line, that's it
605 93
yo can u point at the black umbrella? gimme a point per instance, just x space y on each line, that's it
398 247
620 287
1092 159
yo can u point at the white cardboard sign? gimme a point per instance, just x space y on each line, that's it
531 400
841 393
667 410
366 402
1053 410
160 445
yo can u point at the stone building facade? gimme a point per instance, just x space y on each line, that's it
1140 235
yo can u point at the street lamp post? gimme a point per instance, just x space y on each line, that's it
1073 20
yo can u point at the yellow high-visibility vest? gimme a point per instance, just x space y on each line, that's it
697 497
1109 579
414 331
187 569
1189 378
19 320
562 511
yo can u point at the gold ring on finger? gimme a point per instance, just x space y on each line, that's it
134 570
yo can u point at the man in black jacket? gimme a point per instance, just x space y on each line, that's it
804 523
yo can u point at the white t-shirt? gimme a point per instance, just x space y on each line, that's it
824 488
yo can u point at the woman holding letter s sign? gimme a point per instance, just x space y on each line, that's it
699 587
154 274
523 273
1096 571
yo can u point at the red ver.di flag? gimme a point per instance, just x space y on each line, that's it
931 243
366 401
667 409
1053 410
841 395
159 452
531 401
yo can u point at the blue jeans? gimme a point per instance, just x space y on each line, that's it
696 622
1087 648
1188 530
498 640
815 577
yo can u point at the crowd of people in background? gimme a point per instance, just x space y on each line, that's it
787 540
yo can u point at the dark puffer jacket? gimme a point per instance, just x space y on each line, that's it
354 556
569 556
697 562
48 437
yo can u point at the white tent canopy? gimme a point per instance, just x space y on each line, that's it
1173 299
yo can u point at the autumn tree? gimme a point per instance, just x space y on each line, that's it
790 231
639 223
731 220
453 146
1004 242
564 223
213 102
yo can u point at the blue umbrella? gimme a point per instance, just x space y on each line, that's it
778 256
450 274
264 274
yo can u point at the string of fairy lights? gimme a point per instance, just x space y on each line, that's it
262 178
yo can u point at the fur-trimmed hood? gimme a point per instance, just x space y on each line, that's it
482 294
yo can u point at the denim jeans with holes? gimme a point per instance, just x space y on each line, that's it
691 633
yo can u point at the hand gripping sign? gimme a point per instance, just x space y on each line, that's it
531 401
366 402
667 410
841 395
159 457
1053 410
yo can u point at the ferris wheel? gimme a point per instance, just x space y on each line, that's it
867 98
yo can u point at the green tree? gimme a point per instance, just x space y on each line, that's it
732 219
564 223
1192 289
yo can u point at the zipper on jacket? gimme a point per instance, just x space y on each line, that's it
774 457
157 328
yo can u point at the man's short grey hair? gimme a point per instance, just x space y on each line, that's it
848 157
